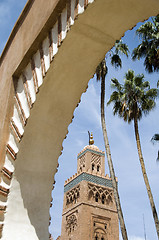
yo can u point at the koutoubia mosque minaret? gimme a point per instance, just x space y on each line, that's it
89 210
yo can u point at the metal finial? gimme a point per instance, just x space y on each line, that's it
89 135
91 141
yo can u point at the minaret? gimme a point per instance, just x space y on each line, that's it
89 210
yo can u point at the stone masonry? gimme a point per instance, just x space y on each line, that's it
89 210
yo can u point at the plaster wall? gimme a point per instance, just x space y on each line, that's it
30 29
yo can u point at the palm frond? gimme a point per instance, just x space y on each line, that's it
116 61
146 84
116 84
139 51
157 157
121 48
134 98
114 97
155 138
101 70
149 47
139 79
152 93
129 75
145 31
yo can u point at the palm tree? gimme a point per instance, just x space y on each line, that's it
101 73
149 47
155 138
131 101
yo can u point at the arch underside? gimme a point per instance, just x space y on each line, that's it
66 76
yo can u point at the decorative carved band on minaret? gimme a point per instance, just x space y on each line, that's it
71 223
72 195
82 162
100 194
96 159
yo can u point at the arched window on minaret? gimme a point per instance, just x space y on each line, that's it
77 194
98 168
103 199
92 166
97 197
67 201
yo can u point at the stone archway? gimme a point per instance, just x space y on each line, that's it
41 89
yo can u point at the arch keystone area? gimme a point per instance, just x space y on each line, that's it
50 55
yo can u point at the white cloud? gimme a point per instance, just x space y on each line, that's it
79 143
9 13
133 238
4 12
91 105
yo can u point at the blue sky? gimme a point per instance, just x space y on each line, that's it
133 194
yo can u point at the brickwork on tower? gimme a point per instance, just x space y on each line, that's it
89 210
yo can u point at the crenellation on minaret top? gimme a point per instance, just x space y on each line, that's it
92 161
88 172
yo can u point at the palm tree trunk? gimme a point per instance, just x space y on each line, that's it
153 208
110 163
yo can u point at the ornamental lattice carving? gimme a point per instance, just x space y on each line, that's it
73 195
82 162
100 194
96 159
71 223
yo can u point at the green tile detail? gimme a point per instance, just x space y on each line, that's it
90 150
89 178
